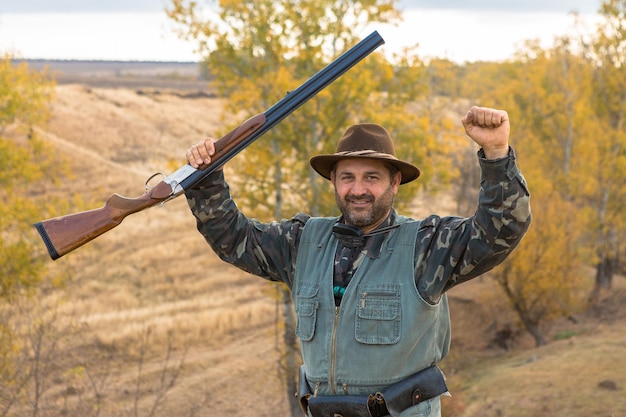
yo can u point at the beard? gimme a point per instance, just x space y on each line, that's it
373 213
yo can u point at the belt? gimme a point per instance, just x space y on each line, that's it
422 386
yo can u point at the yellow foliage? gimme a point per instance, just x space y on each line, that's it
572 155
24 163
545 277
24 95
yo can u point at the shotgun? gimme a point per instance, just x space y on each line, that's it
62 235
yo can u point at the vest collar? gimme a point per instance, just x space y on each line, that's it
373 243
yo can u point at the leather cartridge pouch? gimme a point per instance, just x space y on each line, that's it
331 406
422 386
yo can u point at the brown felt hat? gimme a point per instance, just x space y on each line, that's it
365 140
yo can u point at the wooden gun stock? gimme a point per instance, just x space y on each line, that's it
64 234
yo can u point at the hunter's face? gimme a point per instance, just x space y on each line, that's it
364 191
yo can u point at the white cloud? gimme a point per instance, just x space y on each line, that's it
102 36
531 6
94 6
464 36
454 34
80 6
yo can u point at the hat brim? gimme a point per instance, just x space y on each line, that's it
324 164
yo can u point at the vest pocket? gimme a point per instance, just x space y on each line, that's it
378 316
306 312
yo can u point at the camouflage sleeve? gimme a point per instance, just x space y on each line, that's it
264 249
452 250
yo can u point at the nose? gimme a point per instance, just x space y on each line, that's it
358 187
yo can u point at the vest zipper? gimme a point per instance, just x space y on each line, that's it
333 388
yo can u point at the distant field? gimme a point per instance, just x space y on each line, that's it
183 76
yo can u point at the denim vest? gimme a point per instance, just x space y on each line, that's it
382 332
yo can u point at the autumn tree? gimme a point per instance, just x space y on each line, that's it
445 78
25 160
604 164
547 94
540 280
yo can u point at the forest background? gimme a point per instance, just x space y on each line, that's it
147 321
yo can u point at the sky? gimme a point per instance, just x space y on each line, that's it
138 30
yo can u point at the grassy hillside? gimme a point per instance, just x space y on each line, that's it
152 282
149 299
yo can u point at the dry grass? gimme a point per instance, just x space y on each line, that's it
155 273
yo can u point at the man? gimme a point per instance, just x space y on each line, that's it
369 286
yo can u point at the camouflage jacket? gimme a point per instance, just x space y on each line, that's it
451 249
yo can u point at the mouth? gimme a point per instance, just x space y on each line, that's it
360 202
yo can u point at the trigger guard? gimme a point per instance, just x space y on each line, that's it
153 176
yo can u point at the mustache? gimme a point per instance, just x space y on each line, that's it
363 197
